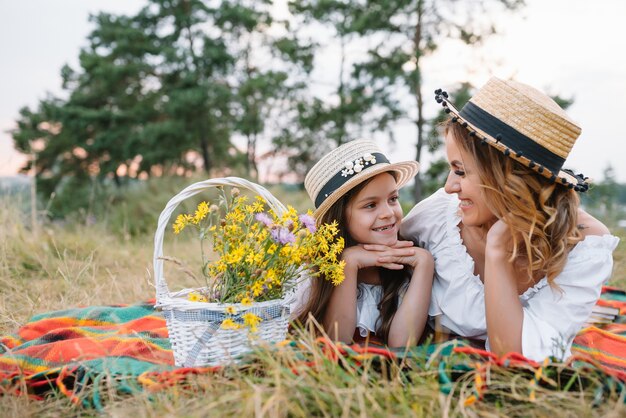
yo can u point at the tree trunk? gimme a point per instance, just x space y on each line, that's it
417 191
116 179
251 165
204 147
342 94
204 140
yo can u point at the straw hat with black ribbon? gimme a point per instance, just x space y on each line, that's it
522 123
348 166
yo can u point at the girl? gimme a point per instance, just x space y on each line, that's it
356 186
518 263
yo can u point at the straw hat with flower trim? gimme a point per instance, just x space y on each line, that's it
346 167
522 123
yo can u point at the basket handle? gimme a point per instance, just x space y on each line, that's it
162 291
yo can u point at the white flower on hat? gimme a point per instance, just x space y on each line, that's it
356 166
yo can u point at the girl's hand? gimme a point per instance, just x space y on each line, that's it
362 256
396 256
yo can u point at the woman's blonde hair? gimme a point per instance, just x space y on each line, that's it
541 215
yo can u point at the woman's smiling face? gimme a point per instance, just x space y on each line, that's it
464 181
373 215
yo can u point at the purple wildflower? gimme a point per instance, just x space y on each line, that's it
263 217
282 235
309 222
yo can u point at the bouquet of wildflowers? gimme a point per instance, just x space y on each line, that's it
260 255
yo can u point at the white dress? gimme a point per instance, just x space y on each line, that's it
552 318
368 297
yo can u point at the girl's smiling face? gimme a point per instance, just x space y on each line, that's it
464 181
373 215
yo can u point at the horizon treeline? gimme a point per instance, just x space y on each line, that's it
187 86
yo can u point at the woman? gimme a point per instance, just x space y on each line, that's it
387 285
517 262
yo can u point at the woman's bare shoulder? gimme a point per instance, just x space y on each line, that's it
589 225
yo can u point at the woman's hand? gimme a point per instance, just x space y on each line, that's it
503 309
373 255
499 236
396 257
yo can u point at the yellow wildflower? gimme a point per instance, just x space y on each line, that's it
257 288
221 266
338 274
286 251
250 258
246 301
181 222
295 257
196 297
201 212
291 213
251 320
235 255
271 276
234 216
231 310
257 206
230 324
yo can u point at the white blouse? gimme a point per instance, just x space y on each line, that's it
552 317
368 297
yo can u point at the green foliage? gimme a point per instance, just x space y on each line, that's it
563 101
161 92
435 177
399 33
606 198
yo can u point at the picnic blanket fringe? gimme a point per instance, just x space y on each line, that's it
79 352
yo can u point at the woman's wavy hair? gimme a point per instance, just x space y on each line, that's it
321 289
541 215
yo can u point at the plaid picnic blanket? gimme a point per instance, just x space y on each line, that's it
606 345
70 350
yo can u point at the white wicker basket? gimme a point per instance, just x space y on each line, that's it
194 327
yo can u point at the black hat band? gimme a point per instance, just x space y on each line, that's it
511 137
340 178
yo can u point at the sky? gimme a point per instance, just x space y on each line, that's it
573 48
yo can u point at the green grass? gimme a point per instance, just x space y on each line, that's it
72 264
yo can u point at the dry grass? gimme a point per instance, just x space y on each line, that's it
61 267
72 265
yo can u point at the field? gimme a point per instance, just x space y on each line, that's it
92 261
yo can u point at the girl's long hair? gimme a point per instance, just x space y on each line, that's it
541 215
321 289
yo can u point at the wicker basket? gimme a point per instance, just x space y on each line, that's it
194 327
